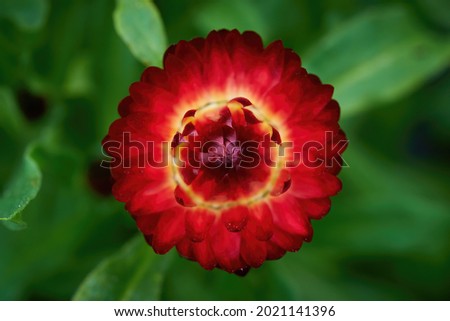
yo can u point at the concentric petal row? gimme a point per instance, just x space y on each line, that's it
266 232
226 65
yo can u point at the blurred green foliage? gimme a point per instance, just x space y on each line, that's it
64 68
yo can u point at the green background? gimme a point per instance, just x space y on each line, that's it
64 66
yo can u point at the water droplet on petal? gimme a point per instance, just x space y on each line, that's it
242 271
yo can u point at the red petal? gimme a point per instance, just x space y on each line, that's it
198 223
185 248
253 41
218 66
169 231
314 186
226 247
152 99
124 106
204 255
183 198
125 188
188 53
235 218
330 113
185 78
147 223
205 184
289 216
274 252
282 183
260 222
315 208
147 201
156 77
268 71
253 251
286 241
315 97
198 43
292 64
335 165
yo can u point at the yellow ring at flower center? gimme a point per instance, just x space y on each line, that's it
215 205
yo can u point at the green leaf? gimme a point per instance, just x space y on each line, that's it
133 273
139 25
22 188
377 57
28 15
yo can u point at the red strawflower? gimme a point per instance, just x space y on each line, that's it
227 152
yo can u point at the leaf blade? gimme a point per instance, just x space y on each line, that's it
377 57
22 188
140 26
133 273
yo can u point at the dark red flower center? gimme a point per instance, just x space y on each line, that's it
226 154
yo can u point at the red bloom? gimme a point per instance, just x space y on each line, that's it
227 152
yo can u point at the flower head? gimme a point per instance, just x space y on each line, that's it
227 152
